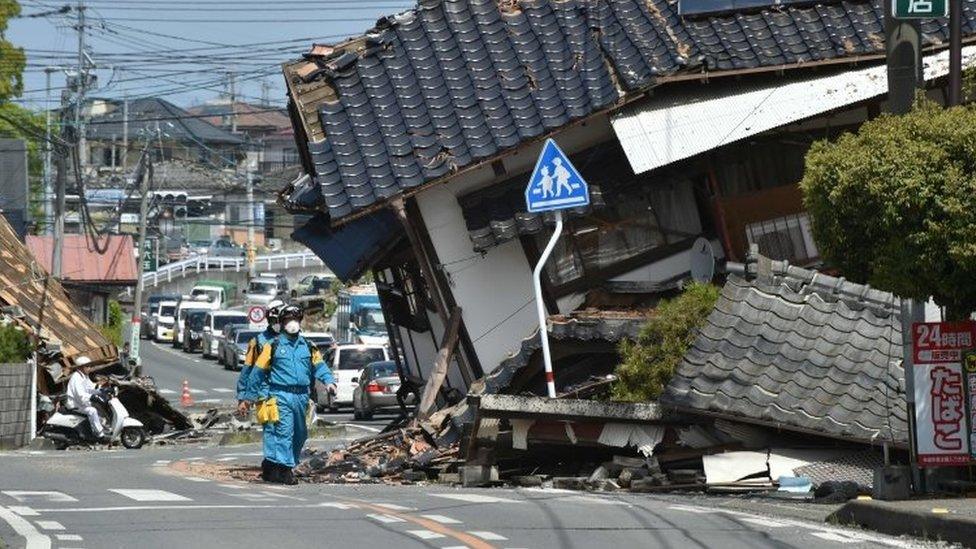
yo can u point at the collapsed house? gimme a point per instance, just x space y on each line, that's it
417 138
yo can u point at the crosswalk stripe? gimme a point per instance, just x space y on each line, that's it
476 498
393 507
27 495
149 495
426 534
197 391
68 537
488 536
386 518
23 511
222 390
50 525
166 391
442 519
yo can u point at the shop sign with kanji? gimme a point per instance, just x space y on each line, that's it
941 392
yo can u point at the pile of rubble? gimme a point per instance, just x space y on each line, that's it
402 455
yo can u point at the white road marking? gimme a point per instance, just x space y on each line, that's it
387 519
197 458
197 391
241 454
394 507
222 390
595 499
161 463
476 498
197 479
442 519
426 534
488 536
68 537
342 506
149 495
194 507
232 486
758 521
26 530
51 497
50 525
207 400
166 391
227 459
698 510
23 511
833 536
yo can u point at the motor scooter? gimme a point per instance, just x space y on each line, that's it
67 427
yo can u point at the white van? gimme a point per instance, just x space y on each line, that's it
213 327
186 304
262 291
163 321
347 363
215 296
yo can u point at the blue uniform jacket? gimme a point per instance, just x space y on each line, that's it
245 382
292 366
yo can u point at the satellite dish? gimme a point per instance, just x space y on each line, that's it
702 260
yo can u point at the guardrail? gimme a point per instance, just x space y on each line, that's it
204 263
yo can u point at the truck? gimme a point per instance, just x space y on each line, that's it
219 293
359 318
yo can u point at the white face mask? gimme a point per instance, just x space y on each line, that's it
275 327
292 327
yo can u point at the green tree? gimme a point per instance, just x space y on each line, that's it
14 61
649 362
894 205
14 344
113 329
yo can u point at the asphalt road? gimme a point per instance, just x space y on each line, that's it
138 499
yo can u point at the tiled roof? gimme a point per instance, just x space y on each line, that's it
799 350
248 116
454 82
174 122
81 262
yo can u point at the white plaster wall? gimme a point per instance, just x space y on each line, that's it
666 268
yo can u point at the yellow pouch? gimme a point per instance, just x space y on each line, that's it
267 411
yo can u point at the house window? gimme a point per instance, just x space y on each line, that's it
787 237
618 237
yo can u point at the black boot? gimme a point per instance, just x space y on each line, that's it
265 470
288 475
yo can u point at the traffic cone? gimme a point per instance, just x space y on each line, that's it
186 399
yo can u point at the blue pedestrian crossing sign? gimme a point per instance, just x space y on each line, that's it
555 184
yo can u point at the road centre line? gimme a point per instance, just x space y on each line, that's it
26 530
188 507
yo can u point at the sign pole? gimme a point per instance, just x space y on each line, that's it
540 304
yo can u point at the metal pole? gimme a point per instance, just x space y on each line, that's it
82 84
48 183
125 132
540 305
145 175
251 250
955 52
33 398
59 191
911 312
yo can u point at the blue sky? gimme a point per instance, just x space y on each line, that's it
179 48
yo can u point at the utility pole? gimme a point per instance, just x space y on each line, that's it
233 101
48 182
82 84
59 191
251 250
143 176
125 131
955 52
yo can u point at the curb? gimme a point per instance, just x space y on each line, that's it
893 519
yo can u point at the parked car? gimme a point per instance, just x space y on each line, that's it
313 284
376 390
187 304
200 246
164 321
323 341
147 328
224 337
225 247
347 361
236 346
262 291
218 293
193 330
213 327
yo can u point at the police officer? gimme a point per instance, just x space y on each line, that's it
245 382
283 374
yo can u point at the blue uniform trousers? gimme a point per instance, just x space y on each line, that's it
284 439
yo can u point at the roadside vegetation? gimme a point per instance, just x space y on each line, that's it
894 205
14 344
113 329
648 363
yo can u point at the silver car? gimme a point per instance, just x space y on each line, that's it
376 390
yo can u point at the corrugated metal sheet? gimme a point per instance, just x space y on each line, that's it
664 130
80 261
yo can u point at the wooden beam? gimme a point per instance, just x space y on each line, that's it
448 347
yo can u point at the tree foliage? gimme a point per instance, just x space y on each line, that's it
14 60
894 205
14 344
113 329
649 362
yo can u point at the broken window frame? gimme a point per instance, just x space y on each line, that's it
789 231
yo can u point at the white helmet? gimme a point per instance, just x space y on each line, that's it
82 361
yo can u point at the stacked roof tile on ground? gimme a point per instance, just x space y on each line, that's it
453 82
802 351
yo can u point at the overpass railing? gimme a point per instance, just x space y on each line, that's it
204 263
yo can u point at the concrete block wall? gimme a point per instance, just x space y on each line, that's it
15 393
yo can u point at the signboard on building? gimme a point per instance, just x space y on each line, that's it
940 350
919 9
150 259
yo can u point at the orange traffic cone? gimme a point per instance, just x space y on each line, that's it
186 399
